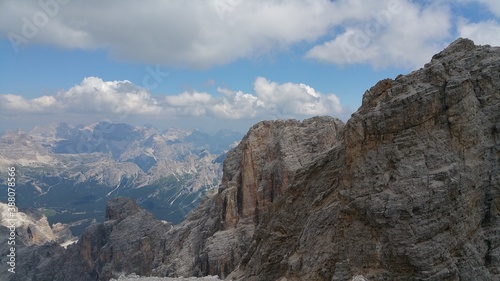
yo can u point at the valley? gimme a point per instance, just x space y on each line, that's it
69 172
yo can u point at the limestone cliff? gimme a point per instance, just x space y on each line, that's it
411 190
407 189
214 237
34 229
127 242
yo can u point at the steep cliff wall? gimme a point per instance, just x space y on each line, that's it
408 189
214 237
410 192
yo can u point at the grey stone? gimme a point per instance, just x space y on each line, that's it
407 189
410 192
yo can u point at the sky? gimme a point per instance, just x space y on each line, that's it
216 64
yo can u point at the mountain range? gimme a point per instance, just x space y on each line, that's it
407 189
68 172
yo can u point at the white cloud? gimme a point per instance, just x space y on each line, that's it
196 33
11 102
205 33
237 105
294 99
493 5
95 96
188 104
118 97
485 32
202 33
397 33
15 103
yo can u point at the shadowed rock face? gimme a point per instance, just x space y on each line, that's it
213 238
128 241
121 208
407 189
262 167
411 191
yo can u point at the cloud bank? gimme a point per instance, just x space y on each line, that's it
206 33
114 98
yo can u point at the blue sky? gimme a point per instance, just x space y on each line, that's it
216 64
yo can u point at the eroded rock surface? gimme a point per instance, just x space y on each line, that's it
214 238
410 192
408 189
127 242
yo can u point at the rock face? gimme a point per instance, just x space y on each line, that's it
407 189
71 168
34 229
411 191
127 242
263 166
214 237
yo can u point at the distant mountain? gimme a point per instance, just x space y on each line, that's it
407 189
73 170
34 229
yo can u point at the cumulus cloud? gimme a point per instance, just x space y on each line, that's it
294 99
119 97
196 33
274 100
237 105
11 102
493 5
95 96
205 33
485 32
188 104
396 33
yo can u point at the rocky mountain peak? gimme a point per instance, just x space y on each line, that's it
256 173
411 190
119 208
263 165
459 46
407 189
34 229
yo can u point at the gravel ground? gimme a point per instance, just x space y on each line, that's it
138 278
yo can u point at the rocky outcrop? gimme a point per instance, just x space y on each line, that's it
407 189
411 191
34 229
214 238
139 278
262 167
82 164
127 242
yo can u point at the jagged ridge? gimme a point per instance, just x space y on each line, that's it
408 189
